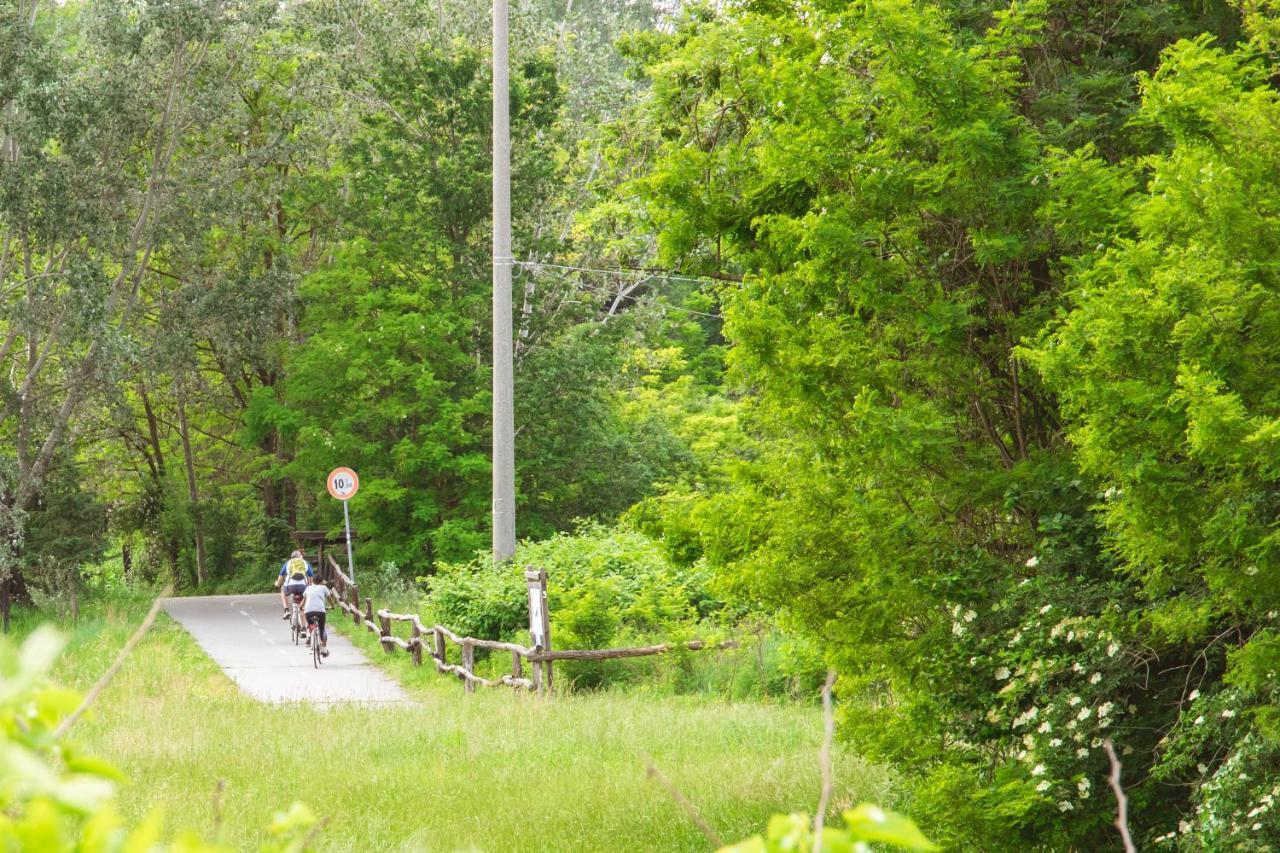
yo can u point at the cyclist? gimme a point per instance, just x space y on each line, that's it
313 605
293 575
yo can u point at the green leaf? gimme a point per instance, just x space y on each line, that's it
872 823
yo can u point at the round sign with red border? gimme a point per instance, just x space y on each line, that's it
343 483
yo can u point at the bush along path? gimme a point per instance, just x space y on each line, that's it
246 637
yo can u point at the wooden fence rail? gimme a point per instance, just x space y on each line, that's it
435 638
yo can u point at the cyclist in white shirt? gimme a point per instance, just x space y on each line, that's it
313 606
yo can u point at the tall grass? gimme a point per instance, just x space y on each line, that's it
490 771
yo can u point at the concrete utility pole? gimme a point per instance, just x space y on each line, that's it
504 419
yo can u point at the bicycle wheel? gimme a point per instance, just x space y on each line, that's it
315 647
296 626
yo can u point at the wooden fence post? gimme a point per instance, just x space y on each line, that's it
469 664
368 613
384 634
440 647
415 651
539 625
546 627
517 665
355 605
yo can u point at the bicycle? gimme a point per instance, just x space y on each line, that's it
295 619
313 640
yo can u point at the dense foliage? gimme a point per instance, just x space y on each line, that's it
1002 339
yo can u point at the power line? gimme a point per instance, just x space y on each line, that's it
633 273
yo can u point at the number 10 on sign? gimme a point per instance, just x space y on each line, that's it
343 484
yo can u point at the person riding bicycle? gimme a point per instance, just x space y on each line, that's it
313 606
293 575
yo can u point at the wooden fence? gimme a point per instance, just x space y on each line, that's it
435 638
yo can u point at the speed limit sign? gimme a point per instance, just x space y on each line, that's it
343 483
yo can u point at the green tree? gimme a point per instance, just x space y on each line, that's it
888 180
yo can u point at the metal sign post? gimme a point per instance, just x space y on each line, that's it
351 562
343 483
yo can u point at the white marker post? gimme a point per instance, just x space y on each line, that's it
343 484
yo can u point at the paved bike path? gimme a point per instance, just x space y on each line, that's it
245 635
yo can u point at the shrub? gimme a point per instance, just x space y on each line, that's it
601 580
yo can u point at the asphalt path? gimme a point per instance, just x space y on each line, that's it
245 635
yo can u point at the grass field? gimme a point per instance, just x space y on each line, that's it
491 771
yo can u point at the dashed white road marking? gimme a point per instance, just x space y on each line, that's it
244 613
254 621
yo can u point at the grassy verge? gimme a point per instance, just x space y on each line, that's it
490 771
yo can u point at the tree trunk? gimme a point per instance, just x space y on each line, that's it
192 490
153 431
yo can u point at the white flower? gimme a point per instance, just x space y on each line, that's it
1046 609
1112 649
1083 784
1085 713
1033 561
957 628
1043 786
1082 753
1064 806
1105 708
1045 728
1073 701
1199 719
969 616
1076 667
1193 696
1202 769
1002 673
1038 770
1184 827
1056 742
1095 678
1228 714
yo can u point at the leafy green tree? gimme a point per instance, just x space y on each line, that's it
890 182
1162 369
